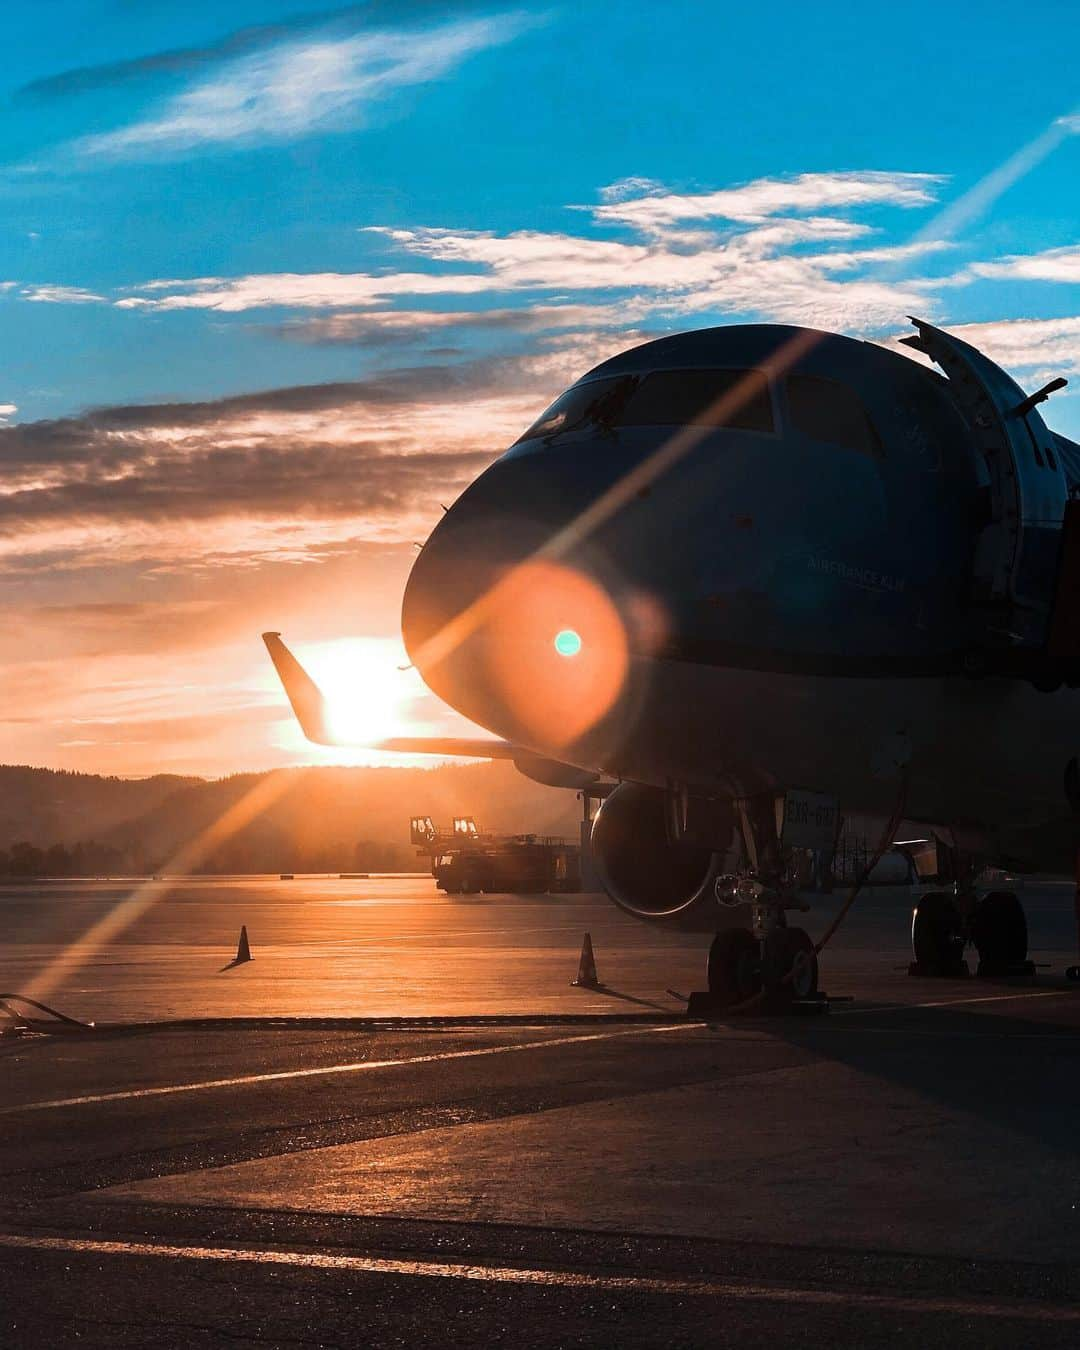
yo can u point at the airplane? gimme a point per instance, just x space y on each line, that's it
743 581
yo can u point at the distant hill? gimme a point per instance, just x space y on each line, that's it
53 806
317 819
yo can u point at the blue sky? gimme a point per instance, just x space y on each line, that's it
277 277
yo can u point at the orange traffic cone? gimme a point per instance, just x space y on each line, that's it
243 950
586 971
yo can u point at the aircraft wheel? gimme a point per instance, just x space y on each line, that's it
790 969
1000 932
802 964
937 935
734 967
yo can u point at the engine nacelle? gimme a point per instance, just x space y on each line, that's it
644 871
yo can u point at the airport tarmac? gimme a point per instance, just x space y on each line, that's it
595 1172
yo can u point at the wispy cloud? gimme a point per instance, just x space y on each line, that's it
742 257
395 327
175 60
285 475
1054 264
59 295
178 61
659 209
292 88
297 290
279 472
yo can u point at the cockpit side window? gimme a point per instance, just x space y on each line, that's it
826 410
570 409
700 398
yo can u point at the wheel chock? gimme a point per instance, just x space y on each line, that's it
586 971
705 1007
701 1006
1000 970
957 970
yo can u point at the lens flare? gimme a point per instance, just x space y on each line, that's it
567 642
554 688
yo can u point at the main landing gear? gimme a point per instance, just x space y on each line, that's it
942 925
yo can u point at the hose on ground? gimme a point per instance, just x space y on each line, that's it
7 999
884 844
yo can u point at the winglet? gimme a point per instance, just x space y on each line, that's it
306 697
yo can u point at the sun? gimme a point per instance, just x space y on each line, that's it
367 692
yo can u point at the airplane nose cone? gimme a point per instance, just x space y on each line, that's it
508 625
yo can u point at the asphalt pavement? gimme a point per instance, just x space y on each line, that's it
400 1125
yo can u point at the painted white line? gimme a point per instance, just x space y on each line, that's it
568 1279
353 1066
952 1002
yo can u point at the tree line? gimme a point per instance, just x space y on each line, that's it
93 859
80 860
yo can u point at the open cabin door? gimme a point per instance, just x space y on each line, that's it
1018 556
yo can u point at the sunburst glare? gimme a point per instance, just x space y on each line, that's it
370 691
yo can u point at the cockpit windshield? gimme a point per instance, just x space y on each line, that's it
701 398
828 411
705 398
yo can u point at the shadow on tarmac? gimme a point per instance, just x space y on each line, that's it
1006 1069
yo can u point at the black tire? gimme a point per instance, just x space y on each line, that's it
1000 931
802 964
937 934
790 966
734 967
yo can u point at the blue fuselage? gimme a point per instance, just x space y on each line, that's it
777 588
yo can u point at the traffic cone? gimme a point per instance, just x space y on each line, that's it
243 950
586 971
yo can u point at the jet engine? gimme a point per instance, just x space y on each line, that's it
644 864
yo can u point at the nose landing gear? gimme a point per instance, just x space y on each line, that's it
734 968
774 971
768 967
802 963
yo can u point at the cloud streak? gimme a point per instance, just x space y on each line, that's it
291 89
1054 264
393 327
59 295
175 61
658 209
298 290
183 60
284 474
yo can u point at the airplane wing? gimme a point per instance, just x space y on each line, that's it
309 705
